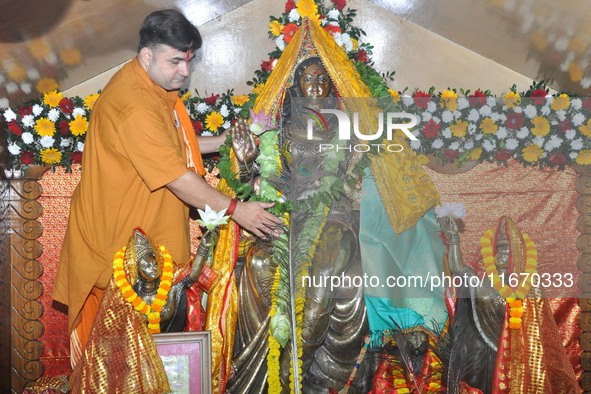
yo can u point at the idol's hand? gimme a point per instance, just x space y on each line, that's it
244 146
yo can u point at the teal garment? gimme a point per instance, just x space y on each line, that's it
412 257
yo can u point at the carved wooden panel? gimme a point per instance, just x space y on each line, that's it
5 343
21 271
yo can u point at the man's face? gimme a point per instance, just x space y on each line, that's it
169 67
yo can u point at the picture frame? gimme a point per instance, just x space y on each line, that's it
187 360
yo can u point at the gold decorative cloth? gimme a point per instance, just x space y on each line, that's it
546 201
120 356
404 186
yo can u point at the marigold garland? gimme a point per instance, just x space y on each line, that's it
514 296
152 311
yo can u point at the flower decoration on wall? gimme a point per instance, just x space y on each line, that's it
532 127
214 114
48 131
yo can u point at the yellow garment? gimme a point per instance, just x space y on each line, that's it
222 301
132 150
404 186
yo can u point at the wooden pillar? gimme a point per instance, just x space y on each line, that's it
20 309
584 264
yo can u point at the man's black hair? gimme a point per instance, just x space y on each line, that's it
169 27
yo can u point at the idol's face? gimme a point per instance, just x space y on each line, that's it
314 81
167 67
148 267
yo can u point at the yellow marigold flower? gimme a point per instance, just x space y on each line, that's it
561 102
46 85
539 41
44 127
575 72
17 73
475 154
79 125
214 121
585 129
240 100
459 128
71 56
584 158
52 98
51 156
308 8
39 48
258 88
90 100
186 96
275 27
449 99
355 43
532 153
541 126
511 99
488 126
395 95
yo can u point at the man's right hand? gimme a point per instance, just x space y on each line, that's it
255 218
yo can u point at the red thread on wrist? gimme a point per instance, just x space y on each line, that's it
232 207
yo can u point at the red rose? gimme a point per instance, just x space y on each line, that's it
267 65
362 56
64 127
565 126
66 105
289 31
76 157
514 121
431 129
212 99
451 154
422 99
503 155
538 97
557 158
197 126
587 104
27 157
15 128
339 4
290 5
478 98
24 110
332 29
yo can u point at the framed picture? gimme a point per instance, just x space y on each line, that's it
187 361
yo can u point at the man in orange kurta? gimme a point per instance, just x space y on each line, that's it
136 171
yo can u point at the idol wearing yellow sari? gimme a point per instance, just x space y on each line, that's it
328 324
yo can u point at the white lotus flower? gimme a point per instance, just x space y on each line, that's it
455 210
210 219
